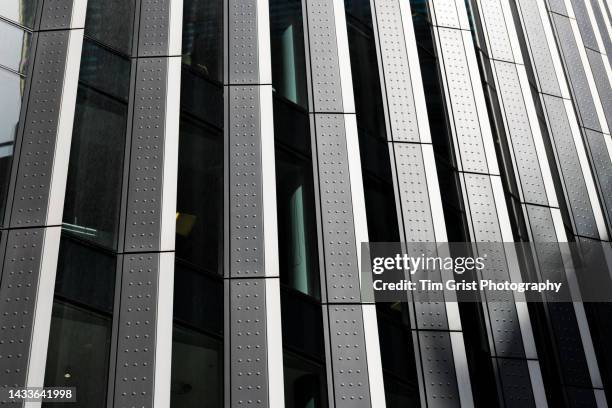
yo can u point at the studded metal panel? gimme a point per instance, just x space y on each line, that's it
463 103
20 273
143 217
584 24
248 343
557 6
136 332
482 209
569 165
339 244
242 54
348 355
445 12
40 131
153 30
402 115
324 63
581 398
521 138
246 210
603 167
542 59
437 358
56 15
602 83
576 73
515 380
599 18
496 30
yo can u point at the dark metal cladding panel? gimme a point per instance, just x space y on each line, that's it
463 103
521 138
584 24
40 131
136 332
581 398
603 167
348 355
446 13
439 369
324 63
18 288
248 347
245 190
516 383
569 164
502 310
557 6
154 28
601 83
536 36
56 15
496 30
143 216
576 73
340 248
398 86
243 52
599 18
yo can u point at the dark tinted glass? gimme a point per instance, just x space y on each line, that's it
20 11
14 47
11 86
93 191
197 370
304 382
81 324
203 37
288 57
111 23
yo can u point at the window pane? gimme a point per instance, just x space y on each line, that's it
11 86
197 370
110 22
14 47
288 56
203 37
93 191
20 11
304 382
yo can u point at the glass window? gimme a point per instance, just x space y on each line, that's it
95 172
81 324
14 47
288 62
203 37
20 11
111 23
197 370
11 86
304 382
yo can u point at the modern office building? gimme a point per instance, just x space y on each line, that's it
185 186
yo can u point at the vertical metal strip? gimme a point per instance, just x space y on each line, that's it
252 305
353 353
142 337
36 194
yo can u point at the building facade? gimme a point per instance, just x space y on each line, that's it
185 186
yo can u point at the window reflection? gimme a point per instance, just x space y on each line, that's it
81 324
10 106
19 11
288 62
93 191
203 37
110 22
14 47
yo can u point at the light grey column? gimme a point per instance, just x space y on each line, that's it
520 134
584 89
509 329
253 344
351 334
31 230
437 328
142 331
